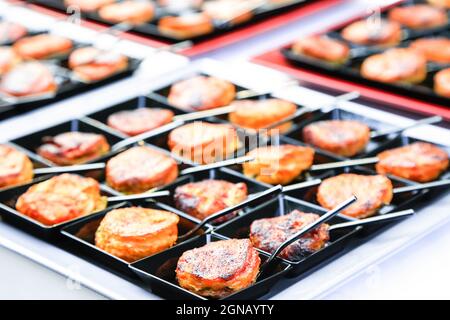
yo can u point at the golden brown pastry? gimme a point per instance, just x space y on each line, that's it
61 198
43 46
204 198
186 26
372 192
434 49
203 142
8 59
419 161
386 34
71 148
322 48
15 167
28 79
180 5
260 114
11 31
343 137
88 5
219 268
400 65
268 234
201 93
132 12
442 83
140 120
140 169
231 11
135 233
91 64
420 16
278 164
440 3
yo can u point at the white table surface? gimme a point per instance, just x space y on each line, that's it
418 271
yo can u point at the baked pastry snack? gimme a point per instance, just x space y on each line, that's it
28 79
88 5
278 164
75 147
372 192
203 142
61 198
134 233
386 34
440 3
419 16
15 167
400 65
186 26
419 161
343 137
8 59
232 11
180 5
219 268
132 12
268 234
442 83
42 46
434 49
91 64
201 93
140 169
260 114
140 120
204 198
322 48
11 31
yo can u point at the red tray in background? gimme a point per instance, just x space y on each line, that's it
275 59
223 40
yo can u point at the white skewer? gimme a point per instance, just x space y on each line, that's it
429 185
141 196
381 218
219 164
343 164
430 120
67 169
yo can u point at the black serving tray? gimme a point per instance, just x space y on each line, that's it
339 239
158 272
68 84
351 70
8 199
151 28
81 236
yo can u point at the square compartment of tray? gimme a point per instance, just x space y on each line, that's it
239 228
81 235
159 272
